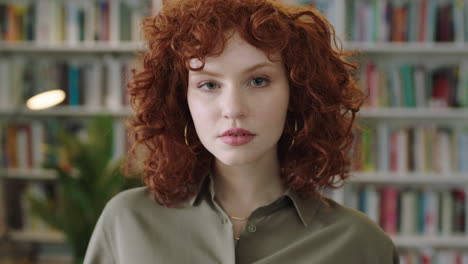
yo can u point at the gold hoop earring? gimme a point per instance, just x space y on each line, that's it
185 135
294 137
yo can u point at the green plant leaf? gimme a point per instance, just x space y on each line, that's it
85 193
47 212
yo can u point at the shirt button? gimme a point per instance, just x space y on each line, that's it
252 228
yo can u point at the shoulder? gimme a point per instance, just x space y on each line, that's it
131 200
116 217
341 216
353 225
131 197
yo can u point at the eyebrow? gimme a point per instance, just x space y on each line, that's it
251 68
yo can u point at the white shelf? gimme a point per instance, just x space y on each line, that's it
408 48
429 114
35 236
67 111
459 241
98 47
418 178
28 174
415 113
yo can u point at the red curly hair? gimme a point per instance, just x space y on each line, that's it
324 98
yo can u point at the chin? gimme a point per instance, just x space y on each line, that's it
236 160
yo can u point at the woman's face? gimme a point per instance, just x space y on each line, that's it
241 88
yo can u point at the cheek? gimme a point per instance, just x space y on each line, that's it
201 112
276 106
279 111
193 104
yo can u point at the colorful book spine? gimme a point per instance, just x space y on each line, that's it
425 21
433 256
414 212
87 82
74 85
415 85
407 212
388 212
71 22
423 148
431 213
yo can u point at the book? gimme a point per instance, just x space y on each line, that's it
444 154
444 20
383 146
73 85
72 27
462 85
446 213
459 211
93 78
37 146
406 73
388 209
114 21
419 150
114 87
5 84
431 213
459 21
425 21
71 22
402 150
462 147
421 208
407 214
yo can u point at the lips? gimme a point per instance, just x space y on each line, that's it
237 132
237 136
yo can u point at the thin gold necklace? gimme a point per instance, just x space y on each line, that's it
235 218
238 218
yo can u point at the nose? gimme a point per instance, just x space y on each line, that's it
234 104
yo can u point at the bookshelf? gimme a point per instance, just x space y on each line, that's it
53 237
458 242
416 114
28 174
421 201
376 45
440 49
411 178
86 48
66 112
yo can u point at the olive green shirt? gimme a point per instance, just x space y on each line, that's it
134 229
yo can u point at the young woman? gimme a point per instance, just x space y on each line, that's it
246 114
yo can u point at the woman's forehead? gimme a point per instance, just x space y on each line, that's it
237 51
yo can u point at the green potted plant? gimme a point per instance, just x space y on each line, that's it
90 180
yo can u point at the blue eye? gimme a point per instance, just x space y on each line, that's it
259 82
209 86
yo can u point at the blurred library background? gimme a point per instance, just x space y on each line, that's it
64 66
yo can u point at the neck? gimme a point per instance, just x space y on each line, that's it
242 189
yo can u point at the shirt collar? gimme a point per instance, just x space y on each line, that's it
306 207
206 186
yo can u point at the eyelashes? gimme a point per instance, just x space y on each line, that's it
257 82
210 85
265 81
